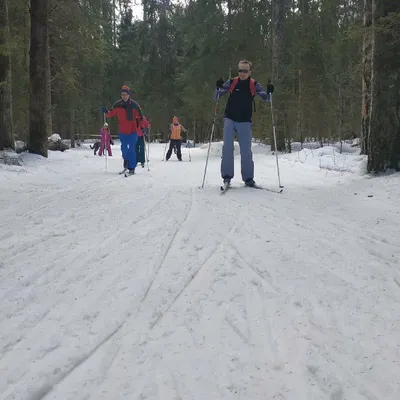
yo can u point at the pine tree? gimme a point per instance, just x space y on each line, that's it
6 123
39 78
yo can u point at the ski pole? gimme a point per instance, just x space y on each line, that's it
148 144
165 149
105 147
166 144
145 152
209 144
187 143
274 132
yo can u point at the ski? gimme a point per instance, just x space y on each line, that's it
224 188
266 189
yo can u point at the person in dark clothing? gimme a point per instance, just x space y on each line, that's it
238 119
95 147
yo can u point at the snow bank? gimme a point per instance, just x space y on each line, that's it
346 147
261 148
296 146
55 137
216 148
330 158
10 158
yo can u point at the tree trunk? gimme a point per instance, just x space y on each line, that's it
300 105
278 27
194 130
38 75
72 126
340 133
368 56
114 25
381 122
49 113
6 126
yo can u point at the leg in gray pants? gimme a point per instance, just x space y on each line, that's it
243 130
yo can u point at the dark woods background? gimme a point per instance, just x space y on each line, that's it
335 65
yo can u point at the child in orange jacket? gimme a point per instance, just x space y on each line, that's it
175 138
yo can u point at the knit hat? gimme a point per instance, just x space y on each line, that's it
175 119
105 125
126 89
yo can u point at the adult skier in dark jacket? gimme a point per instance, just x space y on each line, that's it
238 119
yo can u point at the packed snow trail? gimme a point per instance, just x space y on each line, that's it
150 288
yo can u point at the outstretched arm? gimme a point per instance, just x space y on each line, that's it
219 92
262 92
111 113
265 94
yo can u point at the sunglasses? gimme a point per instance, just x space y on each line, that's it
243 71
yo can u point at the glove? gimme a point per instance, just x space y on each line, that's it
111 142
270 87
104 109
220 83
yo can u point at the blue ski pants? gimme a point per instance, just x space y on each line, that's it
128 148
243 130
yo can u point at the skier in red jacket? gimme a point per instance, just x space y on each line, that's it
129 115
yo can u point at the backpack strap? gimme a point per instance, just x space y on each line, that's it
233 84
253 92
253 87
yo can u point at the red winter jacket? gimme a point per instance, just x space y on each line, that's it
129 113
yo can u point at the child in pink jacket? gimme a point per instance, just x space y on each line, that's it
105 140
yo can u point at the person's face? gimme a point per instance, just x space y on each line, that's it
244 71
124 96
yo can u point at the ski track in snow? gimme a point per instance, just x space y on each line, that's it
150 288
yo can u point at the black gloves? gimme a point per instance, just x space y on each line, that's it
220 83
270 87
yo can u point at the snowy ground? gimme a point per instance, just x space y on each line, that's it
150 288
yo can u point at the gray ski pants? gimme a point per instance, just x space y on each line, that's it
243 130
